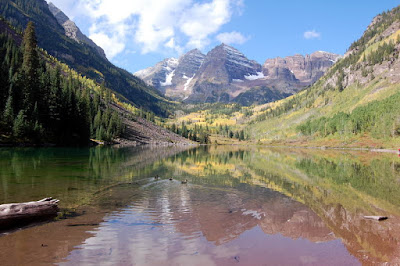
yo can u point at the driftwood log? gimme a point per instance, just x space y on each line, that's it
376 218
18 214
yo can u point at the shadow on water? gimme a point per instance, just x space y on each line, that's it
247 205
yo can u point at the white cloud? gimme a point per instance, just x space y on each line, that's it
171 43
233 37
153 25
202 20
112 46
311 34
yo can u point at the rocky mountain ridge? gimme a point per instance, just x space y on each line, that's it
72 31
227 75
172 76
306 69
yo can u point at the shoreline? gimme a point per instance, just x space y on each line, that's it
129 143
383 150
337 148
119 142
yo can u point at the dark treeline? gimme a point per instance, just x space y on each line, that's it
202 134
149 116
379 118
41 104
226 131
198 133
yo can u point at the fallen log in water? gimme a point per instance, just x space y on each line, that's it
377 218
17 214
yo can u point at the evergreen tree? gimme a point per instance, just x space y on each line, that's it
241 135
30 67
97 119
37 132
20 125
8 115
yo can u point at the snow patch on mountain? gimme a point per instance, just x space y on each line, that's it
259 75
187 83
168 79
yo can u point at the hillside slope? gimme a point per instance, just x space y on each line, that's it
81 56
354 104
62 107
139 131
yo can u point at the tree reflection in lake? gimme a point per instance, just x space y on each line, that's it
249 205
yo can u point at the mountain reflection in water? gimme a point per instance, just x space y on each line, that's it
193 224
252 206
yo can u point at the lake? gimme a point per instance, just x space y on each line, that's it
241 206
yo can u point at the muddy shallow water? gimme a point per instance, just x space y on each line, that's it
250 206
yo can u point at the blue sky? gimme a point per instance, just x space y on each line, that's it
139 33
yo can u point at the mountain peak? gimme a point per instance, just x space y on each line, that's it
173 76
72 31
227 48
324 54
194 51
225 45
58 14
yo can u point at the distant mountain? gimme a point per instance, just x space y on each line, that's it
226 75
298 69
79 52
160 75
172 76
221 74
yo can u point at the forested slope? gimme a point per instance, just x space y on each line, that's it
80 56
354 103
44 101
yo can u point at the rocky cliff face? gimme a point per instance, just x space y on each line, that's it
72 31
160 75
219 77
225 64
226 75
298 68
172 76
188 65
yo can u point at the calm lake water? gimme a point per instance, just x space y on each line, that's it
241 206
